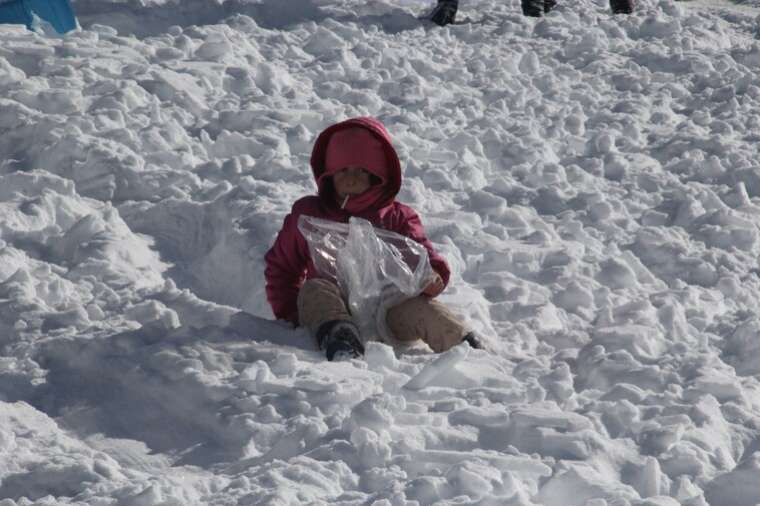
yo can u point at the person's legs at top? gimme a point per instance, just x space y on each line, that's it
427 319
322 310
536 8
445 11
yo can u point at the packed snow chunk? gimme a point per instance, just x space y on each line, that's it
617 274
664 500
74 317
488 204
216 47
54 101
428 490
618 415
272 79
376 413
543 417
600 370
590 44
684 490
660 28
743 347
300 480
374 449
39 290
479 417
672 316
324 42
477 480
576 297
103 245
379 355
649 480
721 385
168 84
725 229
234 144
641 341
155 313
73 248
577 484
655 439
530 63
560 434
34 184
739 487
670 254
438 368
37 458
149 496
10 74
215 254
256 377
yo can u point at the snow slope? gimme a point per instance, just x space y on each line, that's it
593 181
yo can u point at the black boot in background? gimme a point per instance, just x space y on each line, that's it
621 6
533 8
549 5
445 12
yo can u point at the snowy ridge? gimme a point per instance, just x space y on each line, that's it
592 180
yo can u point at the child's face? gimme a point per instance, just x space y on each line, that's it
351 181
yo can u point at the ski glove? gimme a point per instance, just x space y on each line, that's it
435 287
339 339
445 12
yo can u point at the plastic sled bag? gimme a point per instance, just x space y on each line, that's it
375 269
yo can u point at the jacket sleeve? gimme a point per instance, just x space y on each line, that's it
285 271
411 227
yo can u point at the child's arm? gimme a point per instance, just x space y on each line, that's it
411 227
286 268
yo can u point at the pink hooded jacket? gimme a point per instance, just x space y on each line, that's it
288 263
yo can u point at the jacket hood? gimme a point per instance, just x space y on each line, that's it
391 176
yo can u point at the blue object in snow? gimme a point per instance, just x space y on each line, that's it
56 12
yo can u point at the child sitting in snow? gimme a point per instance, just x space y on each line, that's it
358 173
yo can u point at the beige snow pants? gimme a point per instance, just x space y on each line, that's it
319 301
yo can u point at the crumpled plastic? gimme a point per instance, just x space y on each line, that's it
375 269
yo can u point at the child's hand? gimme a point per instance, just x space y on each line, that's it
434 288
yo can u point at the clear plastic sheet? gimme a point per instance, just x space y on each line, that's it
375 269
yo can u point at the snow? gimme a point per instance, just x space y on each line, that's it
592 180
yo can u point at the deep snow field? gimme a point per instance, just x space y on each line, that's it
593 181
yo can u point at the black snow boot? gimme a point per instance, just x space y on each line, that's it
340 340
621 6
471 339
537 8
445 12
533 8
